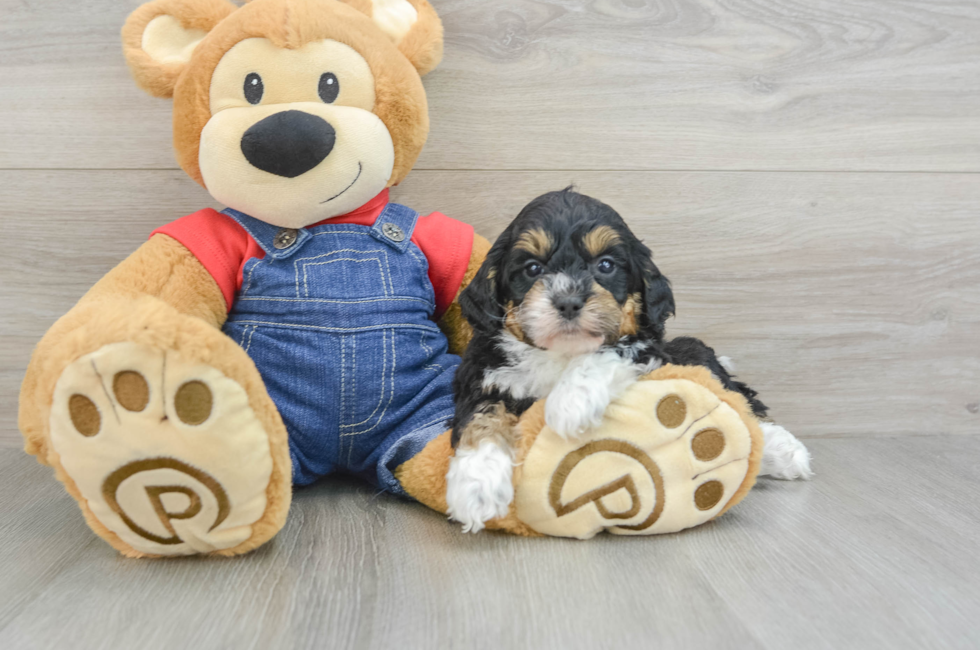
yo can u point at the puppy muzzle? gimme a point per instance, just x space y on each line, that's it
560 313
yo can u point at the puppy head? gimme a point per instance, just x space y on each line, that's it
568 275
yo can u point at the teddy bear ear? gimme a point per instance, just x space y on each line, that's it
413 25
160 36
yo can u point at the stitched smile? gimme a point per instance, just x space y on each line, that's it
359 168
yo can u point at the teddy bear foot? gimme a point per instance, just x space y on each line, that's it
167 454
669 455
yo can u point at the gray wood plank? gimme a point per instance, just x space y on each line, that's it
849 300
568 84
877 552
41 529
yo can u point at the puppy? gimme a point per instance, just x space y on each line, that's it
570 306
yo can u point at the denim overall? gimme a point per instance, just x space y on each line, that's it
338 320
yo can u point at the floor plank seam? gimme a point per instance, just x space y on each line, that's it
515 170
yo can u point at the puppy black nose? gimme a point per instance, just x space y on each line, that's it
569 306
289 143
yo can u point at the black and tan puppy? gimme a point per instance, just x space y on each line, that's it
570 306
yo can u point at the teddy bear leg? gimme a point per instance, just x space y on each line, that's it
675 451
160 427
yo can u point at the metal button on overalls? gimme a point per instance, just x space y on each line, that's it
285 238
393 232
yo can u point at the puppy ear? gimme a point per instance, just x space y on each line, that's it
480 301
413 25
160 36
658 299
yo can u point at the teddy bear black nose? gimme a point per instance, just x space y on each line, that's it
289 143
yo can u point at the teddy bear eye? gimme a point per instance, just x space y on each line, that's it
254 88
329 87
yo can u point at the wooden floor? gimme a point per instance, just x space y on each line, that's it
879 552
807 173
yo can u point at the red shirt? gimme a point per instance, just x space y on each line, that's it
223 246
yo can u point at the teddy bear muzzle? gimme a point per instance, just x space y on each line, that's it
289 143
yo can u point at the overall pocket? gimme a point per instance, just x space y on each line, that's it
347 273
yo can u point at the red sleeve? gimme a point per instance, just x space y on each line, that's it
447 244
219 243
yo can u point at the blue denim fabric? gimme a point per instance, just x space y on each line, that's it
339 325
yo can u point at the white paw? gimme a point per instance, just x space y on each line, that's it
783 456
572 409
166 454
478 486
579 400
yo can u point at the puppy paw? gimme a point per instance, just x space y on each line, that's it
578 402
478 486
783 456
572 409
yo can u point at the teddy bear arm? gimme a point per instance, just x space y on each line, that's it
163 268
452 323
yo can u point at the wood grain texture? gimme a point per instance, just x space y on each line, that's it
849 300
575 84
877 552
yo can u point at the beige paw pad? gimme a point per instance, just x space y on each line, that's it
167 454
669 455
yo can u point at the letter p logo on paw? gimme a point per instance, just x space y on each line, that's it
168 455
649 480
140 476
669 455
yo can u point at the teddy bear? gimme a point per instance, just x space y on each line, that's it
313 325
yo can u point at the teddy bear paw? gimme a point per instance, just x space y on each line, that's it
166 454
668 455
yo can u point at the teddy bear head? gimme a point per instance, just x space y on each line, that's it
291 111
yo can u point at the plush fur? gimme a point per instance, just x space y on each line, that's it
400 98
161 297
102 318
155 77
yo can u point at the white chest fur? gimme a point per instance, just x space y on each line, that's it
533 372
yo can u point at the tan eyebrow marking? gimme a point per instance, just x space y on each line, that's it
536 242
600 240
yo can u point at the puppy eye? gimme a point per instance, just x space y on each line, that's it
254 88
533 269
329 87
606 266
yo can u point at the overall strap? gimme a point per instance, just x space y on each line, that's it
394 226
278 243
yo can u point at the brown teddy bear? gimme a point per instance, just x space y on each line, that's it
312 325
